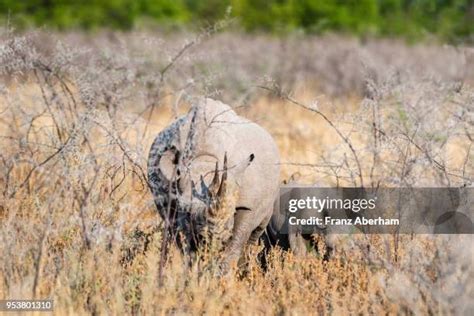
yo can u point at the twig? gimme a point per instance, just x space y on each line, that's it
287 97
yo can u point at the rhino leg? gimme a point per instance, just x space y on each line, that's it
330 242
243 228
297 244
257 232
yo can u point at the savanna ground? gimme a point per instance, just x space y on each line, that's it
79 112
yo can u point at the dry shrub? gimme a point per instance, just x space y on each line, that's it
78 223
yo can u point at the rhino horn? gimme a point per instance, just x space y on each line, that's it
217 189
215 181
222 188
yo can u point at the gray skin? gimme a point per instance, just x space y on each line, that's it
292 237
206 156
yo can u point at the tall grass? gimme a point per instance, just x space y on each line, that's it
77 222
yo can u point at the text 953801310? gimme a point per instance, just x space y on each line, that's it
26 305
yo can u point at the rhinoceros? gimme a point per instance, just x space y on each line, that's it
300 241
206 157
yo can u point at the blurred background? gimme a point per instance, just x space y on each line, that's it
448 20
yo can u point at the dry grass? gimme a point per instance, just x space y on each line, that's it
75 129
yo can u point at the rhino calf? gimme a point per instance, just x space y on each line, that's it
202 158
294 238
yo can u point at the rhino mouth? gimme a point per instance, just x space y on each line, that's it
192 227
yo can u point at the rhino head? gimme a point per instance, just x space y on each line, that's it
189 205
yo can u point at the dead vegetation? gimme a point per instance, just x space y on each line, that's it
78 113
